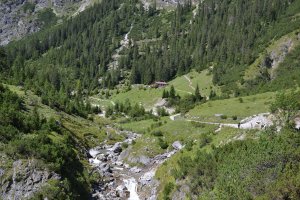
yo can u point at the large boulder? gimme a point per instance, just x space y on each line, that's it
177 145
117 148
140 159
122 191
104 167
135 170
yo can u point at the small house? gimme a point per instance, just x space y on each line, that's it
159 84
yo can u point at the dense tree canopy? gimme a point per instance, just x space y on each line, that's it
225 35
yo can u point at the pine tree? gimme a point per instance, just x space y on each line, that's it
212 94
172 92
198 96
165 94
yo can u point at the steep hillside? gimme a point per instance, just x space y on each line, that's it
159 45
24 17
142 99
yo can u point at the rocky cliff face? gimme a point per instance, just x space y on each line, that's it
23 179
19 18
160 4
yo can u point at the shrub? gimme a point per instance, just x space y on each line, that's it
158 133
168 189
234 117
189 145
163 144
124 145
205 140
223 116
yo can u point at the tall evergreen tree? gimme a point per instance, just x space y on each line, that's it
172 93
198 96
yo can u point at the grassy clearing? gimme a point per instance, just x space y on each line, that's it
203 79
171 131
240 107
97 100
146 97
149 96
138 126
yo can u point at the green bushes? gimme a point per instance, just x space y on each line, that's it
46 17
205 139
28 7
223 116
124 145
162 143
167 190
24 134
161 111
265 168
157 133
136 112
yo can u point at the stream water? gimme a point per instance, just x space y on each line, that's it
131 185
119 180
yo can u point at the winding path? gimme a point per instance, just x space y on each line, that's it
98 99
190 82
258 121
184 91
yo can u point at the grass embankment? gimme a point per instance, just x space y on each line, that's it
158 136
86 131
240 107
203 79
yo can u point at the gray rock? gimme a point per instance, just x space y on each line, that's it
177 145
117 148
144 160
124 154
135 170
26 180
140 159
102 157
122 191
104 167
2 171
15 23
181 193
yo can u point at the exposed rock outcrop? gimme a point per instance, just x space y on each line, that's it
24 179
19 18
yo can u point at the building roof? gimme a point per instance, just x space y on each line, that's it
161 83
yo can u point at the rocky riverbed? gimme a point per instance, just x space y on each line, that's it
119 179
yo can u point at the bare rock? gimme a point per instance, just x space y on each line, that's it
26 180
117 148
177 145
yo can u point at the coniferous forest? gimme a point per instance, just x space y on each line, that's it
48 80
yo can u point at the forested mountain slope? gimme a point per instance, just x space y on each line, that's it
226 36
113 52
